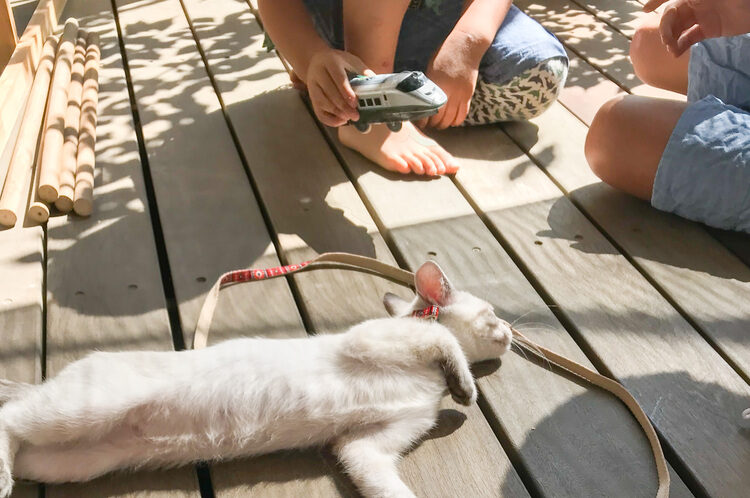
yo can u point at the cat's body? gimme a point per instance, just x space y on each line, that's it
370 392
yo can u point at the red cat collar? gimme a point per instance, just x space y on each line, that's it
428 313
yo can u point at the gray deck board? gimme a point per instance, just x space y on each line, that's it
320 211
203 195
704 278
618 311
538 205
622 15
21 305
104 289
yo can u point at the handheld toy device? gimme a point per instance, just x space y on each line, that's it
394 98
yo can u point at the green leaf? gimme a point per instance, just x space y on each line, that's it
268 43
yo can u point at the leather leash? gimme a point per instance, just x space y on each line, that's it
341 260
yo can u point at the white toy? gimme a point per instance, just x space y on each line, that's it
394 98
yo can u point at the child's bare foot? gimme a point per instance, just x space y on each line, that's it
408 150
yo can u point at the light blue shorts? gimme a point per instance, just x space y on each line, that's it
704 173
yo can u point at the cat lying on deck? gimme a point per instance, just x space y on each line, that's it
370 393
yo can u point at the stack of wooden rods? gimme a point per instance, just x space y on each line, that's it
83 204
59 159
23 158
67 172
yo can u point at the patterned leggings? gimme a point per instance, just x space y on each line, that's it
524 97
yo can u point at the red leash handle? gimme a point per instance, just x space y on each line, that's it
251 275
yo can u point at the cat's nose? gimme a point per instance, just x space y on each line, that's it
505 339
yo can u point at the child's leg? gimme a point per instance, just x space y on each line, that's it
521 73
524 97
627 138
689 159
653 64
371 32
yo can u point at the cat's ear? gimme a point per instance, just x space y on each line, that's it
395 306
432 285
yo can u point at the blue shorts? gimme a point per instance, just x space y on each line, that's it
520 44
704 172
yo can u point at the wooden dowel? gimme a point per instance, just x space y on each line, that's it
67 179
38 210
22 160
84 193
49 176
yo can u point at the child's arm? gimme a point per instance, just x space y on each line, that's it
455 66
321 67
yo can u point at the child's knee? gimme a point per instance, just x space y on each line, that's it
602 144
524 97
645 47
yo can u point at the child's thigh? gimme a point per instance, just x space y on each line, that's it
704 172
627 138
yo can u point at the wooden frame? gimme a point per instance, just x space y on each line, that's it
8 36
16 78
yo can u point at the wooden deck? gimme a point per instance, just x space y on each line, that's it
207 161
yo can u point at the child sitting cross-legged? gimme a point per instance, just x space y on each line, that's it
493 62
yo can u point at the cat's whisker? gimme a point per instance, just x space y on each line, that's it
525 314
524 345
519 350
535 326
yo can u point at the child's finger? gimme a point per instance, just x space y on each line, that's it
676 19
422 123
333 120
324 105
463 111
340 81
652 5
357 66
436 118
448 116
328 119
332 95
693 35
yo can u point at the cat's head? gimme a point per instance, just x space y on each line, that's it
480 332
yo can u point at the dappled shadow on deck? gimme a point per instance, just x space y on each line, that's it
657 395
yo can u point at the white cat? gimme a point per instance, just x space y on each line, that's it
370 393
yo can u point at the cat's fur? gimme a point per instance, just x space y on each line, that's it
370 393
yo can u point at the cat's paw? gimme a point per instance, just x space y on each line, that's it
462 389
6 480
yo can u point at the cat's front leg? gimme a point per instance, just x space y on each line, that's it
424 345
370 455
458 376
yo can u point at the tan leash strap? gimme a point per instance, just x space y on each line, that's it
344 260
613 387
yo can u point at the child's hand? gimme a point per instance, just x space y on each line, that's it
685 22
454 69
332 97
